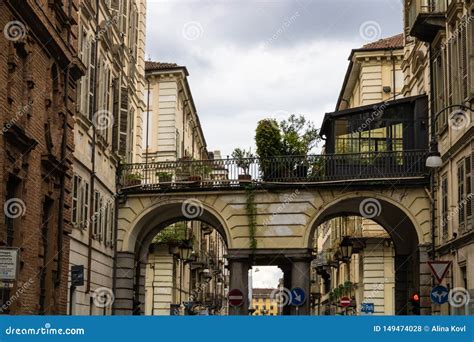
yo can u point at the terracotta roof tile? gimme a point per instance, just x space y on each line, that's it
386 43
149 65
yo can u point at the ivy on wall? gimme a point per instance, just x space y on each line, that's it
251 210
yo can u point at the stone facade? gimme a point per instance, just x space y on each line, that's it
108 129
38 70
439 61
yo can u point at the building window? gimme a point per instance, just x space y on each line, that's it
468 195
444 207
75 202
84 201
96 215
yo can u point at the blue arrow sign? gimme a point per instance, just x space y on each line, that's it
298 297
367 308
439 294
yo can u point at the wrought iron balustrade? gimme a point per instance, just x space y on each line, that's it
283 169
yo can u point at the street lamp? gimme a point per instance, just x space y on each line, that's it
434 160
185 251
346 246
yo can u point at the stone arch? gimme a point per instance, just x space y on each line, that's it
391 211
137 234
405 228
151 219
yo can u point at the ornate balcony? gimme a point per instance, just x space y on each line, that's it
426 18
321 170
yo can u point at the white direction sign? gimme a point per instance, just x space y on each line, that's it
9 264
439 269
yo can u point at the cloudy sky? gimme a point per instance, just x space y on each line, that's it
251 59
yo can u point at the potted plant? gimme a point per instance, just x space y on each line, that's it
243 160
133 179
164 177
197 173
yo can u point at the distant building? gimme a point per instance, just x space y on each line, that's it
264 303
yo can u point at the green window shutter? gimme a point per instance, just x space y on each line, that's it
123 122
115 113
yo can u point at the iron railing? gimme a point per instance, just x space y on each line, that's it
285 169
417 7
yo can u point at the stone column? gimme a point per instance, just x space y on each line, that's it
123 303
239 279
300 277
286 268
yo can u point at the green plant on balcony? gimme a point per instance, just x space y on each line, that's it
164 176
132 179
243 160
174 234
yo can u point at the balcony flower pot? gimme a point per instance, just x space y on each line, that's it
244 179
133 179
195 179
165 179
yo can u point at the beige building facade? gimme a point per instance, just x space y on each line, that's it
374 76
439 62
107 131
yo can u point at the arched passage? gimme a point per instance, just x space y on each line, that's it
402 229
136 238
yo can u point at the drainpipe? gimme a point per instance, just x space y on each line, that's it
433 171
115 223
63 175
94 133
393 74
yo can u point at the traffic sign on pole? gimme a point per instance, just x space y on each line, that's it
367 308
236 297
298 297
439 269
439 294
345 301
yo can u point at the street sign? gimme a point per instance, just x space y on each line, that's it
77 275
439 294
367 308
345 301
236 297
9 263
439 269
298 297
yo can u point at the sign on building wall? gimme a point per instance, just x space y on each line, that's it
9 261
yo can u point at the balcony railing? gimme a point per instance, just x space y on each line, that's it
425 16
370 166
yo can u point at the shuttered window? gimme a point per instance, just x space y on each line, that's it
463 62
123 122
116 114
92 83
75 191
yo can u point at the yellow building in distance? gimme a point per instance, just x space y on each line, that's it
264 303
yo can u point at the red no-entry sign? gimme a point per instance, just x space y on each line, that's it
236 297
345 301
